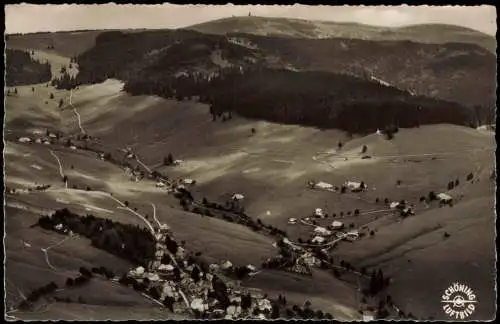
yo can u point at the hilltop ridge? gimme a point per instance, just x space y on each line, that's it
299 28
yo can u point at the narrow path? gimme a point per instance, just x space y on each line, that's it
46 250
150 227
143 165
76 112
60 168
58 162
15 287
154 216
331 155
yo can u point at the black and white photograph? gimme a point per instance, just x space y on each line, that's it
249 162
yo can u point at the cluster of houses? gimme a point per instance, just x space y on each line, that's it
353 186
403 208
39 140
188 294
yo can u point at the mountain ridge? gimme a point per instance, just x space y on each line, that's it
424 33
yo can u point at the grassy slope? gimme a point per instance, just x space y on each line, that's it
428 33
207 235
26 270
217 155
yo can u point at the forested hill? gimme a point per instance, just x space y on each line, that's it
256 80
21 69
319 99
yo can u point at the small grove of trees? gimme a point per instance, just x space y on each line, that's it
389 131
168 160
65 82
22 69
36 294
377 283
364 149
106 235
470 176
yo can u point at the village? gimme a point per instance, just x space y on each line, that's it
184 287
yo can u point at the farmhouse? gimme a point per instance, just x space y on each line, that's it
318 239
226 265
322 231
444 198
319 212
188 181
25 140
72 147
264 304
199 305
251 267
355 186
153 276
323 185
52 135
353 233
394 204
237 196
160 184
367 317
38 141
337 224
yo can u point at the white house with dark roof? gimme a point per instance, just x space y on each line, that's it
444 198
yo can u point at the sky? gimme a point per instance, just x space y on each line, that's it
27 18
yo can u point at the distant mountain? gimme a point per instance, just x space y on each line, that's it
463 73
64 43
257 80
285 27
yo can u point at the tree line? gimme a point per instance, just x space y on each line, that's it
22 69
